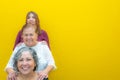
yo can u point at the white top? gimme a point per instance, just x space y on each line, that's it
44 54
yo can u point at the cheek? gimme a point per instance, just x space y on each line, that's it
34 38
27 20
33 64
34 20
18 65
24 39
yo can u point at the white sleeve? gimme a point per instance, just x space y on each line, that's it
11 61
48 56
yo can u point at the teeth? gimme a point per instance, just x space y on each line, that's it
25 68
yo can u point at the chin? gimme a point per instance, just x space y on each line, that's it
30 45
25 73
32 23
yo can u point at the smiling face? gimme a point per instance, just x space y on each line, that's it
31 19
26 63
29 36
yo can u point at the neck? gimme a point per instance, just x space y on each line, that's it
30 76
32 44
36 43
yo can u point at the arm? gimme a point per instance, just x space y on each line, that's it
48 69
11 74
9 70
50 63
44 74
49 57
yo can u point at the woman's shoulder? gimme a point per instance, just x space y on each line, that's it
20 31
19 45
43 31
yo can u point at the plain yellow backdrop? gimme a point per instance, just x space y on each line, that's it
84 35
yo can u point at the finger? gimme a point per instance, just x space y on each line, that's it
9 78
45 76
13 77
41 77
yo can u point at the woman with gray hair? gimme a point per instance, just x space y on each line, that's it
20 52
25 64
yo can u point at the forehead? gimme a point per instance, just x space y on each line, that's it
31 14
25 54
29 30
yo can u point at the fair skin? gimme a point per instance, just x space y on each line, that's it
26 65
30 39
31 19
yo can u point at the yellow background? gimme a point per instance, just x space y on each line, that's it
84 35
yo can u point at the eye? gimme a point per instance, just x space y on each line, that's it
20 60
28 17
31 34
29 59
26 35
33 17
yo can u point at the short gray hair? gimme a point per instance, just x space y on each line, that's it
19 53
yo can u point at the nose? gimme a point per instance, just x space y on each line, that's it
31 18
24 62
28 37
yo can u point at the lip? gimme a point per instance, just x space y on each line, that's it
25 68
31 22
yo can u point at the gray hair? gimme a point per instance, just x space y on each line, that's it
19 53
